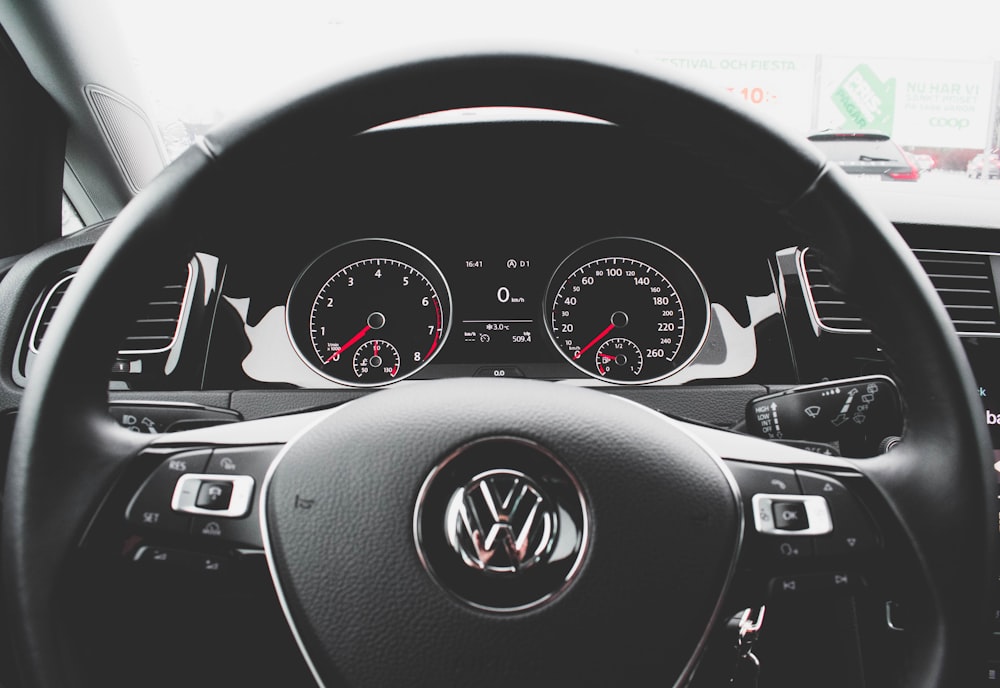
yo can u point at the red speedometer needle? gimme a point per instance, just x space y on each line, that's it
596 339
350 343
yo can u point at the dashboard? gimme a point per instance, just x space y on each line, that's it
610 263
421 270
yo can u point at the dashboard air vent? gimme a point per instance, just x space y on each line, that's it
963 280
154 331
965 283
830 312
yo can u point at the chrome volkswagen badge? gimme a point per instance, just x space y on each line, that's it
501 522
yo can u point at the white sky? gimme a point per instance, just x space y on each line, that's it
215 55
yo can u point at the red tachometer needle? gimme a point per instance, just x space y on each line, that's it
596 339
350 342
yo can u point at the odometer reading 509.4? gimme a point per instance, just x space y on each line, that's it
627 310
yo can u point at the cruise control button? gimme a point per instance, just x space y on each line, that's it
214 494
234 531
150 507
252 461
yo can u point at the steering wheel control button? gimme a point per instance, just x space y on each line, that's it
172 559
501 524
151 506
754 479
791 515
853 532
214 495
823 583
161 557
787 549
221 496
231 531
252 461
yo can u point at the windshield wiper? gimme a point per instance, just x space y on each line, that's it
868 158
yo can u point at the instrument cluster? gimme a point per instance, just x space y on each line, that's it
370 312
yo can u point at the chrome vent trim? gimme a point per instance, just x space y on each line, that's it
45 313
964 280
828 310
154 331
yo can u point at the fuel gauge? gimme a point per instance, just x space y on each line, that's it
619 359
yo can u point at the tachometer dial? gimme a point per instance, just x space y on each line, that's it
627 310
369 312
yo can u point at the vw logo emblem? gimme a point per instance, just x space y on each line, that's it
501 522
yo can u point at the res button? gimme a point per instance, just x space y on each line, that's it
150 507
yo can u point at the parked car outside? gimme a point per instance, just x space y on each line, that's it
867 153
984 165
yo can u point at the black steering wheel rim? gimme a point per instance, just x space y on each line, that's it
53 477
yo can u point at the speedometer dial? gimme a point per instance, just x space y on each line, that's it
369 312
627 310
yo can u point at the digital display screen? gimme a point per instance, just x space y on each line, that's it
497 314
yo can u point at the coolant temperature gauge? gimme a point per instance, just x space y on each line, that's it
376 361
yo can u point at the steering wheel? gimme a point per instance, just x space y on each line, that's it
512 532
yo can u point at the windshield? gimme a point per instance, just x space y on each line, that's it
925 77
